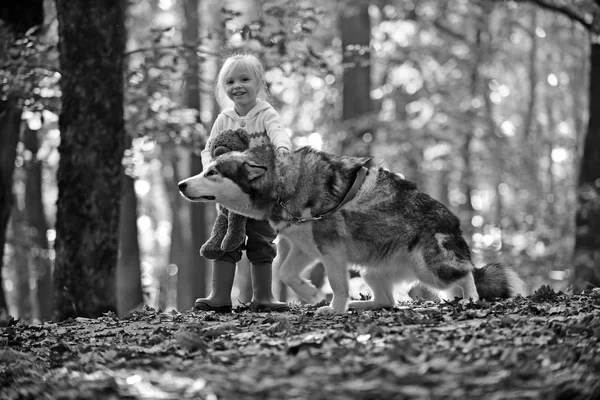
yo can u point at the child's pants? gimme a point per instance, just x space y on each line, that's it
259 244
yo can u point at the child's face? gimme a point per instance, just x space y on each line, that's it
242 88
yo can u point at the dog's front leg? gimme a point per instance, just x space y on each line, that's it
291 268
337 272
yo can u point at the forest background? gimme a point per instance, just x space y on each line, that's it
487 105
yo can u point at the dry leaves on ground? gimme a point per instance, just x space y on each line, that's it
544 346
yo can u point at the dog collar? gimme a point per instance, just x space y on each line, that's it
358 180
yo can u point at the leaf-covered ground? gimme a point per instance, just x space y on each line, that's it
544 346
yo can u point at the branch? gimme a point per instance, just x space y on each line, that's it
175 46
564 10
457 35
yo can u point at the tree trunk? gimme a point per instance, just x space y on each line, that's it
129 277
91 45
586 273
548 184
38 226
467 178
355 29
10 120
533 80
176 166
191 278
199 265
19 239
19 16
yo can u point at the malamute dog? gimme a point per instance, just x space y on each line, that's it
343 212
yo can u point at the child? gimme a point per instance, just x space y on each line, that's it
241 92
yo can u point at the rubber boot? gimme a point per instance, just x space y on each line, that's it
219 300
262 294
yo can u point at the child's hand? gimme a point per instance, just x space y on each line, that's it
282 151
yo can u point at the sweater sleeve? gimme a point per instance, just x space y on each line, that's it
216 128
275 130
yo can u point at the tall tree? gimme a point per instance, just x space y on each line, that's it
191 277
586 272
19 260
175 168
38 226
355 30
10 119
91 46
19 17
129 282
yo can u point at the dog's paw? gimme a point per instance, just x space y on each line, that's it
362 305
328 310
369 305
464 302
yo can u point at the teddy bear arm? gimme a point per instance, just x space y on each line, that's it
236 232
212 248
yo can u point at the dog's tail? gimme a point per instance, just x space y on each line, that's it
498 280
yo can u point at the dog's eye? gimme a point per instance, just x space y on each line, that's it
211 172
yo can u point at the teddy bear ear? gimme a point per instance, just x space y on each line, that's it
220 150
254 170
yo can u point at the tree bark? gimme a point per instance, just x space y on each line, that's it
586 273
129 277
19 16
10 120
533 80
38 226
18 238
467 179
176 166
355 29
191 278
91 45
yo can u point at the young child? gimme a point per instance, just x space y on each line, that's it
241 92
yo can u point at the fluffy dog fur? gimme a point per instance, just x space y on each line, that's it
390 230
229 229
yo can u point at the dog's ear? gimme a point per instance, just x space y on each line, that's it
254 170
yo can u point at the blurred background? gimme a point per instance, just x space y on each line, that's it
484 104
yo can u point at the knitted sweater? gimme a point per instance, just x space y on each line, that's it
262 124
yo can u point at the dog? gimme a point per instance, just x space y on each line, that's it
387 228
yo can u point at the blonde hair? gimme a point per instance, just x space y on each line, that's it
254 67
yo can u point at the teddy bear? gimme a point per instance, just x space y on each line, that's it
229 230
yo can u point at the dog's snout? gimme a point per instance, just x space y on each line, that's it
182 186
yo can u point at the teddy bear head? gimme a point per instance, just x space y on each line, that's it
229 140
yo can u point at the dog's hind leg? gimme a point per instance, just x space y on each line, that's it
337 272
291 268
382 291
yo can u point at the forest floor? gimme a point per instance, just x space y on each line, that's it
544 346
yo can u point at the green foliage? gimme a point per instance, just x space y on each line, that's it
152 76
28 69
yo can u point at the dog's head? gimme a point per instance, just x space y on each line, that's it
243 182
